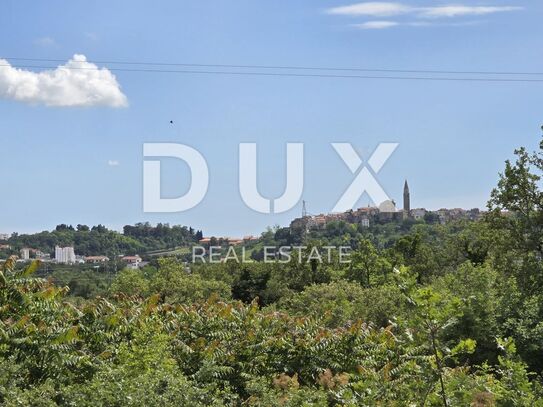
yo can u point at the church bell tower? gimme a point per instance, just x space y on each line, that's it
406 201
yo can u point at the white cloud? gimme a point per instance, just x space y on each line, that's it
376 25
113 163
375 9
387 9
456 11
77 83
441 24
379 25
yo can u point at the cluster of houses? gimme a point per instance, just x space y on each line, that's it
66 255
386 212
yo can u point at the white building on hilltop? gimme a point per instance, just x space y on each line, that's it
64 255
387 207
25 253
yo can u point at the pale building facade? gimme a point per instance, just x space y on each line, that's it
64 255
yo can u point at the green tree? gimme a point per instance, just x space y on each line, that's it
367 266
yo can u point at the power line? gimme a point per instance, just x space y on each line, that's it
287 67
289 74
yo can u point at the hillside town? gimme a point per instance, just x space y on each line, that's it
385 212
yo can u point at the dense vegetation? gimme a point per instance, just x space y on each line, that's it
98 240
425 314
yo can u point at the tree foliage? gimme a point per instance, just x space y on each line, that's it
425 314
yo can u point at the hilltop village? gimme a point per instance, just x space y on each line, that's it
385 212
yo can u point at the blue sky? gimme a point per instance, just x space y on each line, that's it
453 136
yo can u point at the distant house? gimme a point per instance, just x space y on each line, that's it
475 214
319 221
443 215
64 255
418 213
96 259
132 261
25 253
233 241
